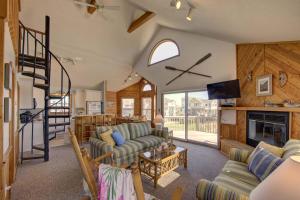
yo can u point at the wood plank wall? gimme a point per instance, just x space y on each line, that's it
262 59
9 15
135 91
111 102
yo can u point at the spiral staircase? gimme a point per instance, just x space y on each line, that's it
35 61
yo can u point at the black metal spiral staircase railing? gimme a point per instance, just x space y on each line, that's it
35 61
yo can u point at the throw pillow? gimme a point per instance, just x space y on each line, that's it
118 138
107 137
101 129
263 163
277 151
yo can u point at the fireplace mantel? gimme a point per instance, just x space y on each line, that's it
276 109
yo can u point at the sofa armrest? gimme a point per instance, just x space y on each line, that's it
240 155
99 147
207 190
161 133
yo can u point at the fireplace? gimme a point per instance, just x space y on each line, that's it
270 127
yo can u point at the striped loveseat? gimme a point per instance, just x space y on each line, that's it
235 182
139 137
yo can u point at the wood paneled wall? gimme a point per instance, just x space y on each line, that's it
135 91
9 15
110 102
262 59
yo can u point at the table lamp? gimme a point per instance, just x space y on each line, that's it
282 184
159 120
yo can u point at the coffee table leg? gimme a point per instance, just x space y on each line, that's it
185 159
155 176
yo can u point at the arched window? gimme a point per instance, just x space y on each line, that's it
164 50
147 87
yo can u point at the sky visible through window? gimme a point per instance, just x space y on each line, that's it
163 51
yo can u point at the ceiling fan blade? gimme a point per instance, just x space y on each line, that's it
85 4
185 71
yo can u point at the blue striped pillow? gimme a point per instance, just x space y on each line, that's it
263 163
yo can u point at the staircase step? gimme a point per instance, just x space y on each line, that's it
56 131
41 86
59 124
31 74
52 136
59 107
55 97
30 58
30 64
38 148
59 115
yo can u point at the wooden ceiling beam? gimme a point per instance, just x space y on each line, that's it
140 21
91 10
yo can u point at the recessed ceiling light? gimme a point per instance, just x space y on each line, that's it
189 15
178 4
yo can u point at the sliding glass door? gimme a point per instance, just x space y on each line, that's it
192 116
202 118
174 113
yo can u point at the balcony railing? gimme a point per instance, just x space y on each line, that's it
195 123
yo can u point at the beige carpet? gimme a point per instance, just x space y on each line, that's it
60 178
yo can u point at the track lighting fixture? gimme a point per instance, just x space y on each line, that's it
189 15
136 74
129 77
178 4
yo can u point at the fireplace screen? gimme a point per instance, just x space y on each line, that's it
270 127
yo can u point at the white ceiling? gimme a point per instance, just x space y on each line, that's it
108 52
237 21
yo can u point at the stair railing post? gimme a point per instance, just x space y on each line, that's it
47 91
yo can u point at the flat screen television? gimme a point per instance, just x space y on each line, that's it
224 90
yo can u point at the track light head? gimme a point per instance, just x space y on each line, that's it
178 4
189 15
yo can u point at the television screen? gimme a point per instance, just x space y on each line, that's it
224 90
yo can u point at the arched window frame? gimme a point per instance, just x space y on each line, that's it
147 84
157 45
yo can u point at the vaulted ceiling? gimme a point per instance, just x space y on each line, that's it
108 52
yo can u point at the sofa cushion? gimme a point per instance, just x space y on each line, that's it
118 138
240 171
129 147
277 151
107 137
291 148
101 129
139 129
150 140
123 129
233 184
263 163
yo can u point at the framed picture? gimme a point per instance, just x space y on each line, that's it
264 85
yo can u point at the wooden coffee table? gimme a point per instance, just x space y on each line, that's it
157 164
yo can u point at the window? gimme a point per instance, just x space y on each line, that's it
127 107
146 107
147 87
164 50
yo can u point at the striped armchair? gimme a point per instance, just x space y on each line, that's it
139 137
235 182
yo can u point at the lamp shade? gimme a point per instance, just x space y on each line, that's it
159 119
282 184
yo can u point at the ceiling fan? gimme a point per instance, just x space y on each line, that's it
93 6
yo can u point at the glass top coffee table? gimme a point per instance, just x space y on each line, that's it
156 164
